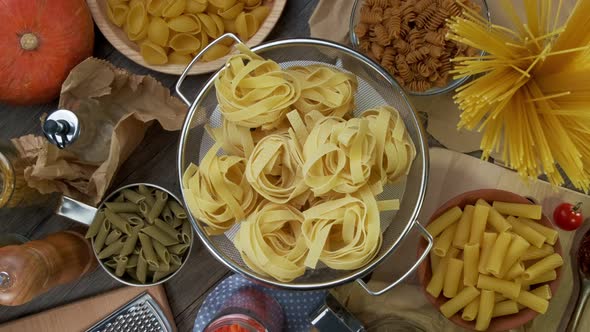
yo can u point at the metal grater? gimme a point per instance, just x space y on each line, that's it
142 314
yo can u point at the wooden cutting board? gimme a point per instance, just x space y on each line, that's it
83 314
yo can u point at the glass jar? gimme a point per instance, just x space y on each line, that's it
248 310
14 191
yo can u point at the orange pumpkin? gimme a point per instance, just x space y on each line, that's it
40 42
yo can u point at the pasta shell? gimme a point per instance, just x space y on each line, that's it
229 25
232 12
137 36
155 7
223 4
251 4
185 23
215 52
173 8
116 2
211 24
260 13
183 43
117 13
179 59
136 19
195 6
153 54
246 26
158 31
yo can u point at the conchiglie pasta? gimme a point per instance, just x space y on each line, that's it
117 13
158 31
215 52
232 12
179 59
152 53
195 6
183 43
173 8
246 25
185 23
182 28
155 7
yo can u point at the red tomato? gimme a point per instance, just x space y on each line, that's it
567 216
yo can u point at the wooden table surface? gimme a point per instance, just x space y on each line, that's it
154 162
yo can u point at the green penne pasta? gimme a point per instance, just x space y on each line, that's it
112 249
133 196
169 230
149 199
186 234
132 261
117 221
101 237
120 207
177 209
177 222
95 225
133 219
133 274
141 270
156 210
162 252
111 263
157 234
159 275
174 259
162 267
121 265
179 249
119 199
130 242
148 250
136 250
113 236
167 215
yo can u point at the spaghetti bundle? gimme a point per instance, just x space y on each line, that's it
533 97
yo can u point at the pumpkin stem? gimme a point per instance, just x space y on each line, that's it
29 41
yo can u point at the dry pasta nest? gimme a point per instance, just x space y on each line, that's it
315 168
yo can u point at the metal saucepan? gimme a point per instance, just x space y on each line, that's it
84 214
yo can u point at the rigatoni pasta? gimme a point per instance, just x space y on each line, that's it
143 247
498 256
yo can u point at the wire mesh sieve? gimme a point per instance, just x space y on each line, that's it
376 88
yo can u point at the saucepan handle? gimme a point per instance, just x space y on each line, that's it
197 58
77 211
428 238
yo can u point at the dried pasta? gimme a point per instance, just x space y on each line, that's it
497 263
154 24
140 251
413 32
303 172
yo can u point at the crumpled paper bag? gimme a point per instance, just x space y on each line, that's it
132 101
331 20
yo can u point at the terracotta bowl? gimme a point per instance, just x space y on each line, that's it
502 323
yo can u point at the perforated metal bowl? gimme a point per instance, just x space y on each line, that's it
376 88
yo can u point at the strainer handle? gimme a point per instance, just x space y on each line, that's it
428 238
197 58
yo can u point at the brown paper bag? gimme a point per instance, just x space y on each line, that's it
135 100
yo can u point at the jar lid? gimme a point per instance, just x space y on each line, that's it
245 322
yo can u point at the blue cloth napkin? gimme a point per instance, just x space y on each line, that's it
297 305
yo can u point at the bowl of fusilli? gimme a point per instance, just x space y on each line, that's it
407 38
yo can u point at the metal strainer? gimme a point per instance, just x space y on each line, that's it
376 88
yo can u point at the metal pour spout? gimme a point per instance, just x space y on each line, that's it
61 128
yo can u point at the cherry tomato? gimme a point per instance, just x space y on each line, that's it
567 216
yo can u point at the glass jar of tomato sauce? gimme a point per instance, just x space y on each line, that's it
249 310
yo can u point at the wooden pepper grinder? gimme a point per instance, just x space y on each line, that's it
31 269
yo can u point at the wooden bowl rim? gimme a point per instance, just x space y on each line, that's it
497 324
117 37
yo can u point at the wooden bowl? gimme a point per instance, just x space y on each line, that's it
118 38
502 323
